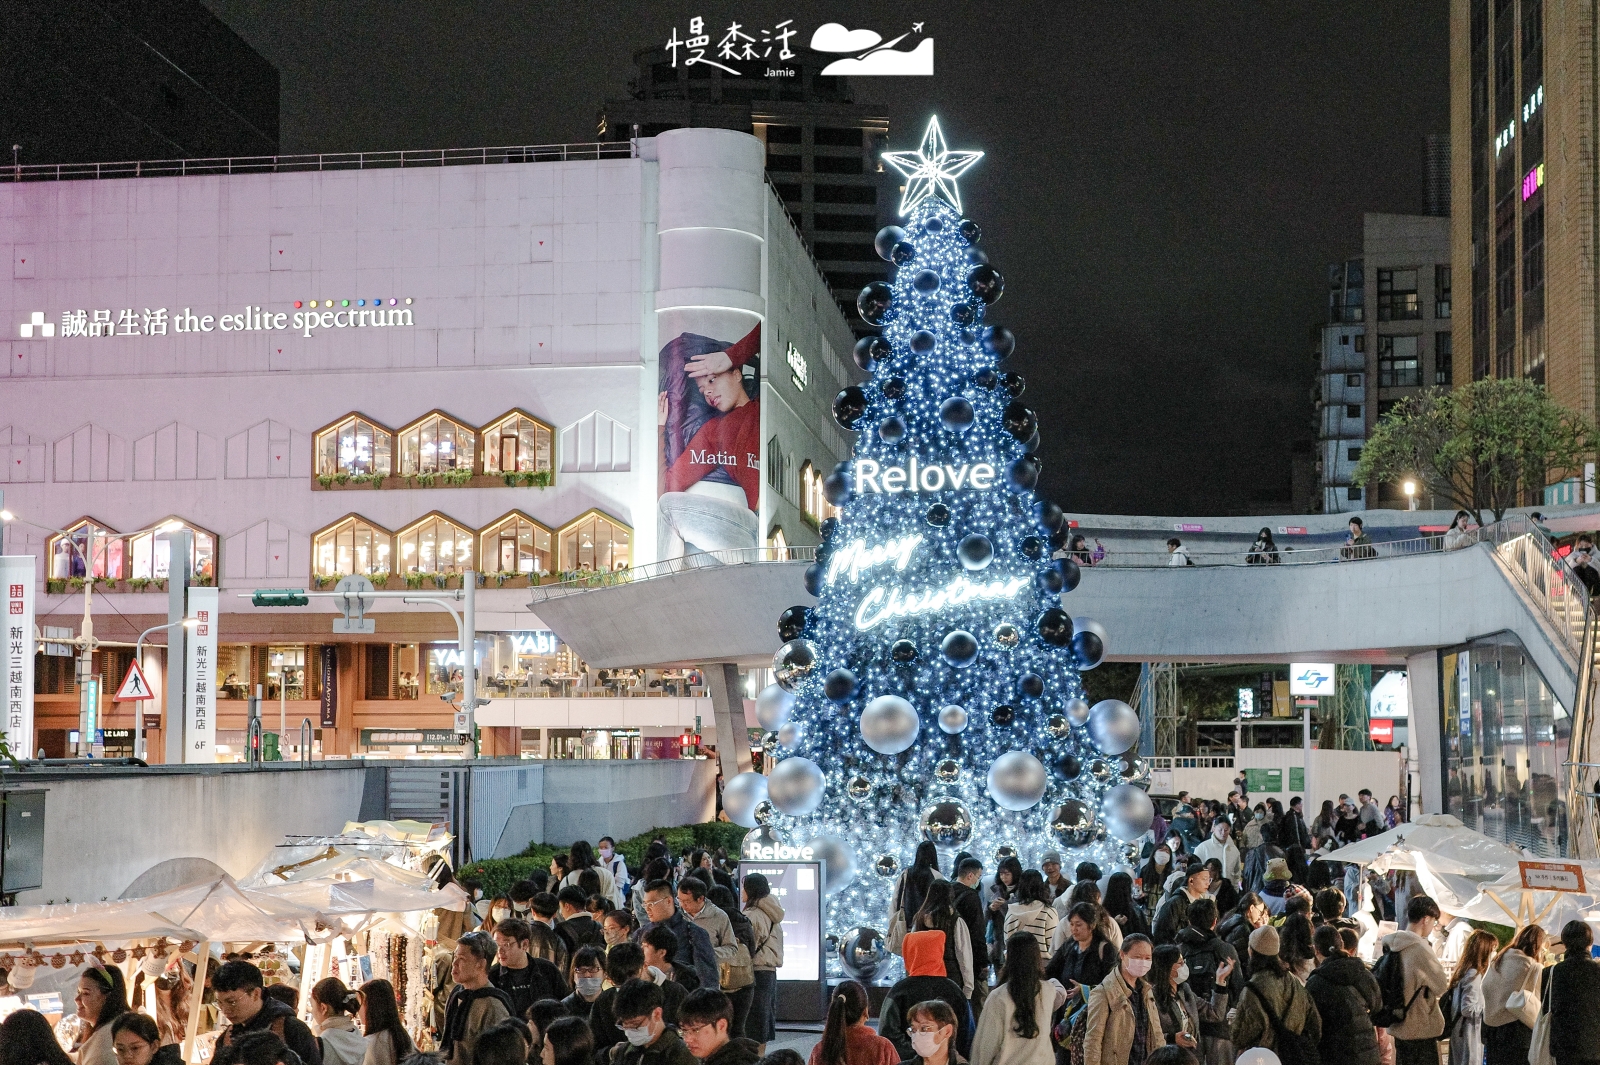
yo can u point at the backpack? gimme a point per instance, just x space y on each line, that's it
1293 1048
1071 1031
1390 973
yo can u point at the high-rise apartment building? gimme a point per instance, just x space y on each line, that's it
1387 335
1522 119
822 147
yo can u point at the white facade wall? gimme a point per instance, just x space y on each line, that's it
532 285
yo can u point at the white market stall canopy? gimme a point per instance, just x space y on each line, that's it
1450 846
215 910
1505 901
414 848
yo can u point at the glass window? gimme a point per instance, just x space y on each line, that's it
813 504
1443 357
286 672
353 545
1352 380
87 541
437 443
517 544
1397 295
1352 410
1505 738
1441 292
1398 366
595 543
149 554
353 446
518 443
434 545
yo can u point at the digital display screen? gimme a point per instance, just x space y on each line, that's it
798 888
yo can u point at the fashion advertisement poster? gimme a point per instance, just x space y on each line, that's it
709 414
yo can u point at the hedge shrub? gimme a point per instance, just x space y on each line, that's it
498 874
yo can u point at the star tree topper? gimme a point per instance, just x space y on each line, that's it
931 170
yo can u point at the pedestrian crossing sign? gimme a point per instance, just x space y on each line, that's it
134 686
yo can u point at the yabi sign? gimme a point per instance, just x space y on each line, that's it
1552 876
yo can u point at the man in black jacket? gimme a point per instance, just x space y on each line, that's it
703 1021
1572 987
518 973
650 1041
577 928
1346 993
238 987
969 907
1174 913
694 950
624 962
1205 951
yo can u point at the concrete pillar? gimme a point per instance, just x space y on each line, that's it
727 702
1426 728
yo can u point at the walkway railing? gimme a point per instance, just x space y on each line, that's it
1556 591
284 164
705 560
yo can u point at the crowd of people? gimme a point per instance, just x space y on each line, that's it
1237 929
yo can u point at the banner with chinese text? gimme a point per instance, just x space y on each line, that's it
17 582
200 690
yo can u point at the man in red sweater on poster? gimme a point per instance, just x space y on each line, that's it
711 484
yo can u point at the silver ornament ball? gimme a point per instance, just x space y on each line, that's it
1077 710
838 862
790 734
794 662
773 707
1128 811
946 822
1072 824
863 954
952 719
740 795
858 788
765 812
889 724
795 786
1113 726
1017 781
947 770
886 865
759 844
1007 635
1058 727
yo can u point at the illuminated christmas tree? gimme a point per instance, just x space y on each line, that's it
934 692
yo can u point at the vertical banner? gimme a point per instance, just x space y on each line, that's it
17 582
200 699
328 664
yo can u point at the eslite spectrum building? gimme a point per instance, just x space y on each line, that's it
529 369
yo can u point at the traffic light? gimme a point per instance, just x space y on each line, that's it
280 597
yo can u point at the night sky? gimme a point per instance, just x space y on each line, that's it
1164 186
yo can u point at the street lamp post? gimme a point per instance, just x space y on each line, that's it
138 657
1411 494
86 641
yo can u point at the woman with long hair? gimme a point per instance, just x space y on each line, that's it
938 914
499 910
1123 1026
1465 995
1085 956
1295 948
1032 911
1120 905
568 1041
1182 1012
1322 824
102 998
1002 893
1393 812
846 1039
388 1043
914 882
1459 534
580 860
1508 1028
1263 552
1153 879
331 1007
27 1039
1014 1028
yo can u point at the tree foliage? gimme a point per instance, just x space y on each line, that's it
1480 446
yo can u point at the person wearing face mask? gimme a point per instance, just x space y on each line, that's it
625 962
704 1022
649 1041
588 978
1123 1026
612 861
931 1033
1188 1020
1152 879
331 1007
499 910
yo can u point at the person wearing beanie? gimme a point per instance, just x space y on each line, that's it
1050 866
1272 998
925 980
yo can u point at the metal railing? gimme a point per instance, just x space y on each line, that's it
286 164
1555 590
688 563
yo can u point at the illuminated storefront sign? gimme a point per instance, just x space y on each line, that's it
157 321
1533 181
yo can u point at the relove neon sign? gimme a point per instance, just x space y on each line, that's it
870 476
